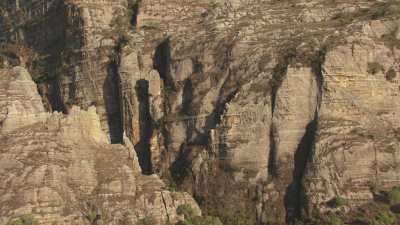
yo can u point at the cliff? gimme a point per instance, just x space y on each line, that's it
261 107
63 170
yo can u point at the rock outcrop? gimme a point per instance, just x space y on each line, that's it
268 108
62 169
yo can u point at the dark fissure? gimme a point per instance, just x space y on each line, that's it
133 13
295 199
146 127
162 63
112 104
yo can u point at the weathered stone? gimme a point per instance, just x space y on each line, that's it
61 168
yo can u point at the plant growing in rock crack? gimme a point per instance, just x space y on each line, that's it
394 195
172 186
238 219
374 68
338 201
383 218
334 220
390 74
186 210
151 25
24 220
92 217
147 221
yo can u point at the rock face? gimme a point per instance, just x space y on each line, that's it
270 108
20 103
61 168
362 111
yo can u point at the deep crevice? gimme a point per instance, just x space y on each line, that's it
295 198
111 94
272 167
146 127
278 75
133 12
112 104
162 62
54 97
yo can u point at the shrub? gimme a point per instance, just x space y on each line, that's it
24 220
384 218
92 216
150 25
185 210
208 220
394 195
334 220
172 186
390 74
339 201
147 221
198 220
238 219
374 68
382 9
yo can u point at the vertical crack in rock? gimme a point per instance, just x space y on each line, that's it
278 76
162 63
178 168
112 104
133 12
111 95
54 96
187 97
295 198
165 205
272 171
146 126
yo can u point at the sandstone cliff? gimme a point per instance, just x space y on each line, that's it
268 108
62 168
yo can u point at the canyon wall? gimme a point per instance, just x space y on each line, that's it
268 108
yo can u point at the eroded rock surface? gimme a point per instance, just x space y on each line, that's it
62 168
250 106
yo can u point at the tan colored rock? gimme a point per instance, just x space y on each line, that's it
20 102
62 168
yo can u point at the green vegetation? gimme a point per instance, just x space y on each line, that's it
334 220
390 74
394 195
238 219
151 24
384 9
24 220
198 220
92 216
190 219
147 221
171 184
339 202
384 218
374 68
185 210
